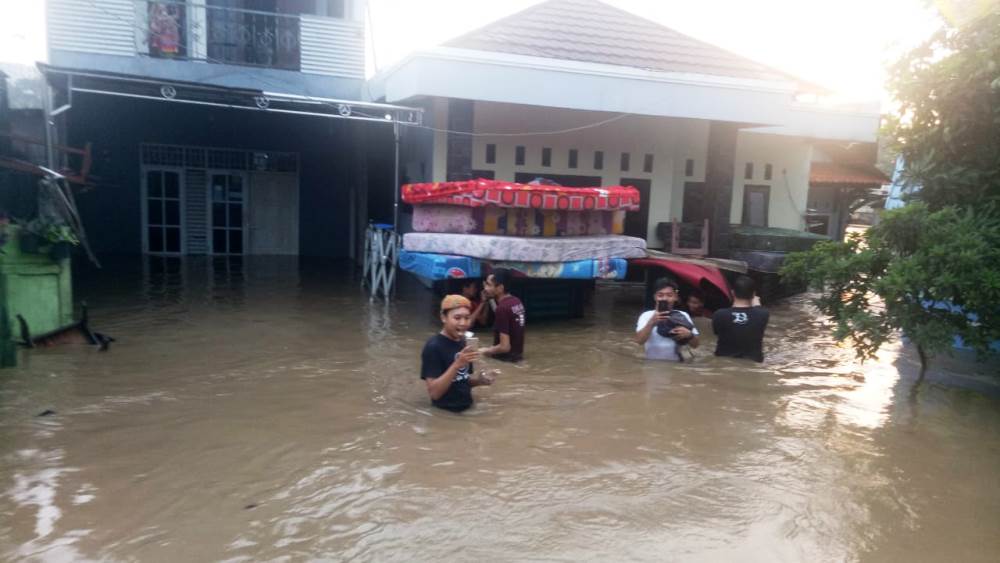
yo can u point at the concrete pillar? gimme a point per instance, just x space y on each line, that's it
461 115
719 169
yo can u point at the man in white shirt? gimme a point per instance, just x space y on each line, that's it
664 330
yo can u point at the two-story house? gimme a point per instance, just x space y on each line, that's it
220 127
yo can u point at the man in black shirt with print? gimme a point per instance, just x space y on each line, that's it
446 360
740 328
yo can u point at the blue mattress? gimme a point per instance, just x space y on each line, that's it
446 266
440 266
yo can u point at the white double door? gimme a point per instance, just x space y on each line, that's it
253 213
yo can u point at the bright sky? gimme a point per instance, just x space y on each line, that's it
842 44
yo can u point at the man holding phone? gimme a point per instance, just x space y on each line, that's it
664 330
446 362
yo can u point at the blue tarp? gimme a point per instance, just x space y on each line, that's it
445 266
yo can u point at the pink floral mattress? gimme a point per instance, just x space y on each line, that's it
492 220
482 192
526 249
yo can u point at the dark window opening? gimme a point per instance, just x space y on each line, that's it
546 156
689 167
748 171
625 162
163 211
694 202
573 158
647 163
227 213
598 160
519 155
768 171
491 153
256 32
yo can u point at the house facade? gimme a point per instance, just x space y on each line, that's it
231 127
582 93
220 127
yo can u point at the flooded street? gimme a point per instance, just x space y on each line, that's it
265 411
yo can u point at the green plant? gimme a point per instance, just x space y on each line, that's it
56 234
51 232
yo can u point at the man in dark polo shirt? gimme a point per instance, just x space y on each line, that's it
508 324
740 328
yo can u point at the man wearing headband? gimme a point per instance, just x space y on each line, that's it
446 361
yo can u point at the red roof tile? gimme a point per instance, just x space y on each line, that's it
850 174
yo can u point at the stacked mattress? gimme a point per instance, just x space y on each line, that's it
463 229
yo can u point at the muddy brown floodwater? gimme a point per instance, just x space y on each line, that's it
266 411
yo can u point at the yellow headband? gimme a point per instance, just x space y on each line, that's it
453 302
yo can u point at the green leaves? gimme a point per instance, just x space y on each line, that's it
948 92
932 268
931 274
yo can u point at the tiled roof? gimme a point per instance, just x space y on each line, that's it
591 31
849 174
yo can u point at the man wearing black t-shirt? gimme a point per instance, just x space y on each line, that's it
446 360
740 328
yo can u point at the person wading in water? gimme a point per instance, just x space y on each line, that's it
508 323
740 328
663 330
446 360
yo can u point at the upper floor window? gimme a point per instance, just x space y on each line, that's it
253 32
247 32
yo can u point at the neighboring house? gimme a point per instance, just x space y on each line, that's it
898 188
701 132
221 127
843 182
23 106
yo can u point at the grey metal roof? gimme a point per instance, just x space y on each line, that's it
591 31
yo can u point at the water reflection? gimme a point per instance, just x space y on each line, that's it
264 409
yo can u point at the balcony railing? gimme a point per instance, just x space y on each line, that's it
253 38
323 41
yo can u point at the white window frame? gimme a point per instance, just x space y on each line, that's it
211 209
144 202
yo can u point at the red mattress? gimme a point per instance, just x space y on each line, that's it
477 193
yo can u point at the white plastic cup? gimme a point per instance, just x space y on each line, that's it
471 340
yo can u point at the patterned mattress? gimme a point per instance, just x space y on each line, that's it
525 249
479 193
443 266
492 220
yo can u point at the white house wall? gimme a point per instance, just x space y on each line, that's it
638 136
789 158
671 142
